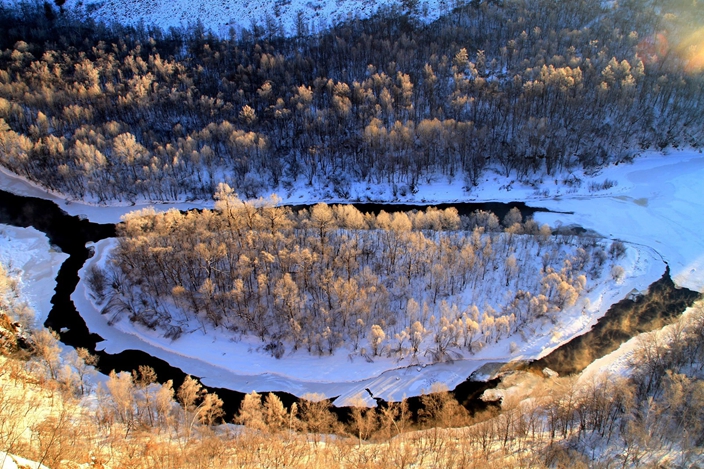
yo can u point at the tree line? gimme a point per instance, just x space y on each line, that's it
528 89
407 284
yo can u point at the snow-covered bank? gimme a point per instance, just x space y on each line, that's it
17 185
620 361
12 461
27 252
659 202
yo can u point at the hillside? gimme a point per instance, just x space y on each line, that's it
369 109
229 18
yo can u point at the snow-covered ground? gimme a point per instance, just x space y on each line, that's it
656 207
27 252
12 461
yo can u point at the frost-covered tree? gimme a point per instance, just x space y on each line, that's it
376 338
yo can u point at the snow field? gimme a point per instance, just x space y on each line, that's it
223 16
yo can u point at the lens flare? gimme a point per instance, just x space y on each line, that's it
651 49
691 50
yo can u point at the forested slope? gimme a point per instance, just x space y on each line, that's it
529 89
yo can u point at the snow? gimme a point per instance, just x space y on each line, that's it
655 208
27 252
220 17
658 203
11 461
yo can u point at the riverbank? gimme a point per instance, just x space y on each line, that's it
26 252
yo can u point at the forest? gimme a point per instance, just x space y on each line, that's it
406 284
529 89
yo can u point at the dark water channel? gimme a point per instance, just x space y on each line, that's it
71 233
646 312
500 209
